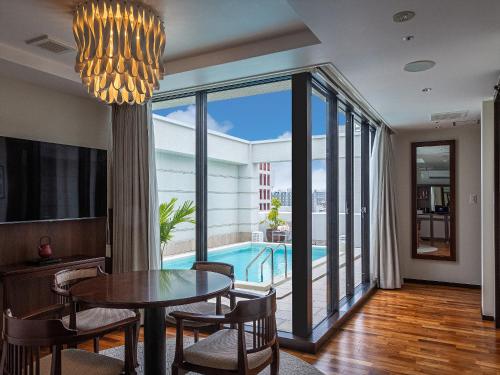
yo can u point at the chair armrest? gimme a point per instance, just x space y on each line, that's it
61 291
52 310
214 319
243 294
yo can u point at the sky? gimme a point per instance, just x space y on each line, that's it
260 117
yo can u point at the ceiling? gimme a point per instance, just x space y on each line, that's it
217 40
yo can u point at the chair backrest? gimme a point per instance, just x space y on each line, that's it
22 339
261 313
219 267
65 279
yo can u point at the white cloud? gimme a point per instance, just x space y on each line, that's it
281 175
188 116
285 135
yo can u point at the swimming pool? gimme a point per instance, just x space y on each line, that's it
240 255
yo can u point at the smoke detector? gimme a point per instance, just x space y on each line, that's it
49 44
403 16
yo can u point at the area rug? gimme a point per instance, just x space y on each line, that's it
289 364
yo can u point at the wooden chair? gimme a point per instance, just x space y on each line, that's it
204 307
96 321
230 350
23 340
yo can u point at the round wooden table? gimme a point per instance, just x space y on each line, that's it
151 291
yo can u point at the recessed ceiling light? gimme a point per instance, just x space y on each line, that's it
419 66
427 89
407 38
403 16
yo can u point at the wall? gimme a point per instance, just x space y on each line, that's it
467 268
34 112
487 210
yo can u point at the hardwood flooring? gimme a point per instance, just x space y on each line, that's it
420 329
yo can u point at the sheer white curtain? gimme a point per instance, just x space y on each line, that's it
383 231
135 211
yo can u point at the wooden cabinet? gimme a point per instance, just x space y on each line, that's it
25 288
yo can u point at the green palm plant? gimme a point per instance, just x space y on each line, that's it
170 217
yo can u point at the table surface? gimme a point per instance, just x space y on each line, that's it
143 289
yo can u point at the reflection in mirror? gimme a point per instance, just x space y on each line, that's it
433 201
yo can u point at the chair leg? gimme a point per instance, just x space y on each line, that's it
196 335
96 344
129 351
275 364
135 331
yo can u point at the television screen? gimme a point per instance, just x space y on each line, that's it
48 181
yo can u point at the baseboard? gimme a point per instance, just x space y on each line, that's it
488 317
442 283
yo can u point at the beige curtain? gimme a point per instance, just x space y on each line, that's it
384 249
133 245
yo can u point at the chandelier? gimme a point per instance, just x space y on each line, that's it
120 44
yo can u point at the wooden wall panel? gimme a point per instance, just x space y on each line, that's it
19 242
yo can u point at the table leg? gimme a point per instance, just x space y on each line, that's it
154 341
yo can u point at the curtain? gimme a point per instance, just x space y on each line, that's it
385 268
134 192
154 219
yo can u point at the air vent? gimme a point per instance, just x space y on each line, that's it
449 116
49 44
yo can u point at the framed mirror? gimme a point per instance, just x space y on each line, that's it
433 200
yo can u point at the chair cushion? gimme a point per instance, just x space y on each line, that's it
205 308
81 362
98 317
220 351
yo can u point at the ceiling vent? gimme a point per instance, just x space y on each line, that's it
48 44
449 116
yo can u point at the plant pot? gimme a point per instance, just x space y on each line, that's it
269 235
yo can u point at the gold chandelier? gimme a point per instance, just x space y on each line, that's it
120 44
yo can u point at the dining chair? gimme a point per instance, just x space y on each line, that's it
95 321
203 307
232 350
25 339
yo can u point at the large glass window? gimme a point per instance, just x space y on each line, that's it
248 156
342 200
319 212
249 187
174 124
357 186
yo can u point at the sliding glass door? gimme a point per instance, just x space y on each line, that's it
236 162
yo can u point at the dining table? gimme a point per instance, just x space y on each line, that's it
152 291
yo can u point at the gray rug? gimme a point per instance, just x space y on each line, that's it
289 364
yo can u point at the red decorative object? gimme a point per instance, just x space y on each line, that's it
44 250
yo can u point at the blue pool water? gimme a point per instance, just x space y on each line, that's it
241 255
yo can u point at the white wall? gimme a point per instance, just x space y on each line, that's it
34 112
467 268
487 210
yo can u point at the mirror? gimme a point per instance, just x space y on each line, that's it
433 200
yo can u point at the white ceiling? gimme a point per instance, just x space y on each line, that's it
215 40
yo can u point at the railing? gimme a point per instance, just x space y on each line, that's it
270 255
255 259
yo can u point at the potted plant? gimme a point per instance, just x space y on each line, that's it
170 218
272 219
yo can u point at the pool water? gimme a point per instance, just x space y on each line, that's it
241 255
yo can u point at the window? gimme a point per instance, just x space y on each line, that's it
319 211
248 161
174 123
249 128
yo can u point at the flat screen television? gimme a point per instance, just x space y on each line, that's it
48 181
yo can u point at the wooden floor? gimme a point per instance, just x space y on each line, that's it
421 329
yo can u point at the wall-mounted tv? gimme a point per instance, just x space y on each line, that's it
48 181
